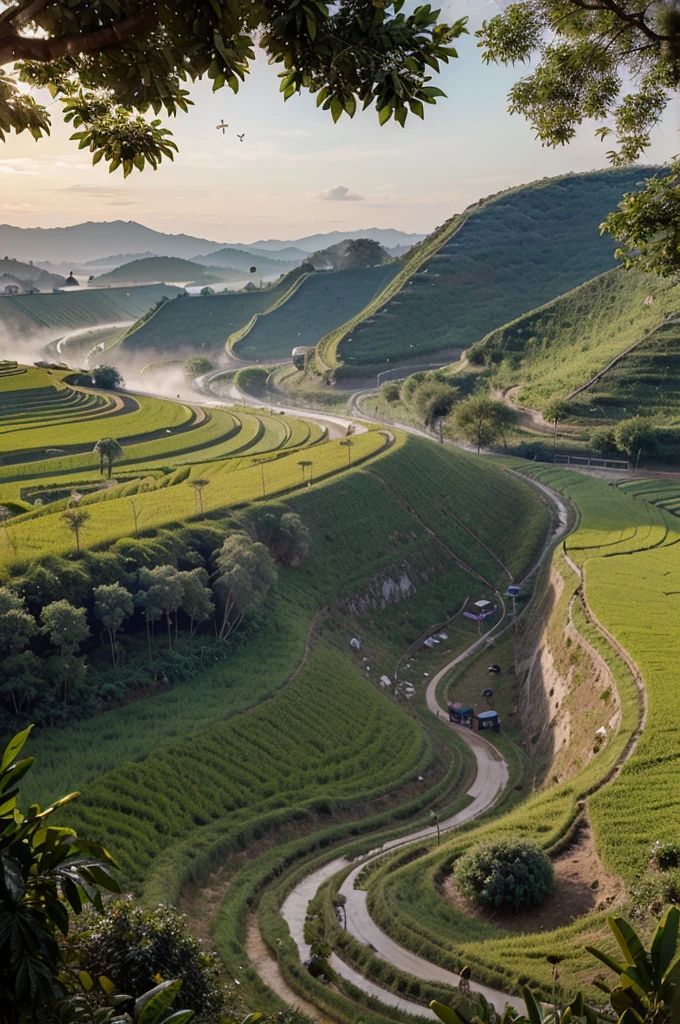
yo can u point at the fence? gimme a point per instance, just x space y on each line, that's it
581 460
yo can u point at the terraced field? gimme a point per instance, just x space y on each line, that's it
500 258
628 550
201 324
321 303
51 315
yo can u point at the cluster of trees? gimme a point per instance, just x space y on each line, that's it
58 620
108 378
478 419
350 254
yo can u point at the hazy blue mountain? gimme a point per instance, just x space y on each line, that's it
242 259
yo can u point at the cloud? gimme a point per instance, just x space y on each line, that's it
341 194
116 196
20 208
19 165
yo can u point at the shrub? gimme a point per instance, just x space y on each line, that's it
132 946
666 855
505 873
391 392
603 441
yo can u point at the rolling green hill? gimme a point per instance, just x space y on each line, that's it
501 257
168 268
201 324
54 315
557 348
321 303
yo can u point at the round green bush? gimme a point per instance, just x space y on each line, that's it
505 873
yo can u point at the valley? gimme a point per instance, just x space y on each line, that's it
260 605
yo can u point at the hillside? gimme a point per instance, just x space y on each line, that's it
167 269
238 259
201 324
322 302
503 256
50 316
555 349
30 276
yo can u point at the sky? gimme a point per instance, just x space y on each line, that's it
296 173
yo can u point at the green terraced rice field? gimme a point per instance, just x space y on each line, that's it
323 302
58 313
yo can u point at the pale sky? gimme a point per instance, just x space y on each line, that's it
296 173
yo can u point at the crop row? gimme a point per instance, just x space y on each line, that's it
229 486
328 734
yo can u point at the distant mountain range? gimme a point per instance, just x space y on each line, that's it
94 242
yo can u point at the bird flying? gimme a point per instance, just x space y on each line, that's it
240 137
222 126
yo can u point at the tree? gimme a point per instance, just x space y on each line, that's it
107 378
636 437
47 871
291 540
75 519
350 254
614 60
109 451
198 486
603 441
390 391
245 575
197 600
207 290
505 872
107 64
196 366
648 225
112 605
555 411
433 400
17 627
348 443
164 595
67 628
482 420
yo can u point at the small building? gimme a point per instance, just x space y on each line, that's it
480 610
461 714
299 354
488 720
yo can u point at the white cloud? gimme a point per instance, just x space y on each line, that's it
116 196
19 165
341 194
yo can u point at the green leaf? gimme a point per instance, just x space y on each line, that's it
14 747
446 1014
665 942
153 1004
336 109
631 946
400 116
533 1006
384 115
86 980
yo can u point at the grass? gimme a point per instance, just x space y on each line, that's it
502 257
557 348
73 310
321 303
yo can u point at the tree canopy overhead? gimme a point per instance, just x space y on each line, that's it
112 62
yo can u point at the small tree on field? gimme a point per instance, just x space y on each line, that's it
348 444
112 605
196 366
107 378
291 540
199 486
109 451
67 628
433 400
245 575
197 600
75 519
636 437
555 411
482 420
